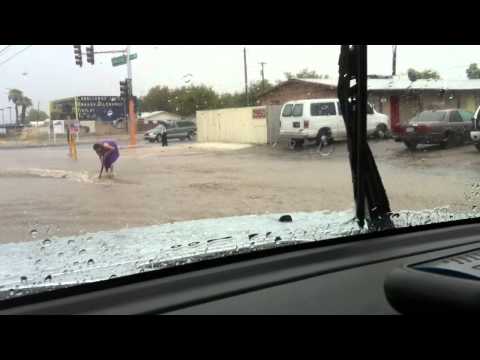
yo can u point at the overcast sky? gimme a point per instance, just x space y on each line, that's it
46 73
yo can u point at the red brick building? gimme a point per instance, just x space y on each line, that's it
297 89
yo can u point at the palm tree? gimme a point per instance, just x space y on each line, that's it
25 103
15 96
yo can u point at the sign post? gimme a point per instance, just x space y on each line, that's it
58 128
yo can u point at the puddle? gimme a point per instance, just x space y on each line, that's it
49 173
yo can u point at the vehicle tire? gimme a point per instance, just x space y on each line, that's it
294 144
322 132
448 141
477 146
411 145
381 132
324 142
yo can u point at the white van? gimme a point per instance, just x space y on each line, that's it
302 120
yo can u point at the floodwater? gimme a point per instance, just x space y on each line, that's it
42 189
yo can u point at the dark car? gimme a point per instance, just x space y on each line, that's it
443 127
176 129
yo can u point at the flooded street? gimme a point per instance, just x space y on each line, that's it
45 194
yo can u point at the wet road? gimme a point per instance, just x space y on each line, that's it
43 193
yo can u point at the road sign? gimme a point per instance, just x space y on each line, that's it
122 60
58 127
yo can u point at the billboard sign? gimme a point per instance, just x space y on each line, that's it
103 108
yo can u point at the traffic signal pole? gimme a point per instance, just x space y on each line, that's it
130 100
132 116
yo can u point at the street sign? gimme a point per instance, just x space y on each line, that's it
58 127
122 60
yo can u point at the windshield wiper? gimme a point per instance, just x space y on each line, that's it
371 199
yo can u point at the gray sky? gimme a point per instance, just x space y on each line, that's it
46 73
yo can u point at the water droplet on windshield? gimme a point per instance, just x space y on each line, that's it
23 279
70 242
42 248
75 263
34 233
48 278
90 262
113 276
474 208
81 252
60 254
46 242
11 292
38 261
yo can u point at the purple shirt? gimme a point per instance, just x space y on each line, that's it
113 156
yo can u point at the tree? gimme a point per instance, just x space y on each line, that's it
306 74
473 72
414 75
158 98
36 115
15 96
184 101
188 100
25 103
255 89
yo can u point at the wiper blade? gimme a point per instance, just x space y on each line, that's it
372 204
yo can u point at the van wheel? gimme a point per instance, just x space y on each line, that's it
324 132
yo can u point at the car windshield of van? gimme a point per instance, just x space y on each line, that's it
287 110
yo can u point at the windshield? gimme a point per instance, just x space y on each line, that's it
90 192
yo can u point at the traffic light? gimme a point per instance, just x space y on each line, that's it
90 56
124 89
78 54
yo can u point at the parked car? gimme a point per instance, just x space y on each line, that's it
309 120
443 127
176 129
475 133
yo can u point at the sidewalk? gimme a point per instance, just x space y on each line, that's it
122 140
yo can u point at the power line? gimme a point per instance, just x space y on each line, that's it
5 48
14 55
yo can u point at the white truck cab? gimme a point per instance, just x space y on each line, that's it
309 119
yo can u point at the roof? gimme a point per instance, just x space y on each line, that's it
147 115
422 84
331 83
396 83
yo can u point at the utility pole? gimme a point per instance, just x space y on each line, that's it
394 60
246 79
263 76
